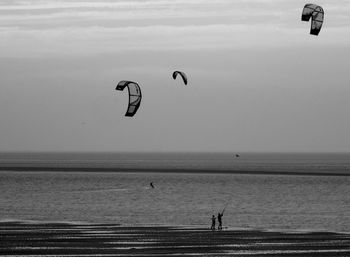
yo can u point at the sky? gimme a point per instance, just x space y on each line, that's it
258 81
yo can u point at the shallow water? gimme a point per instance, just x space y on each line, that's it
281 202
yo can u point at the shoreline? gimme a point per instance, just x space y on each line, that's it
104 239
169 225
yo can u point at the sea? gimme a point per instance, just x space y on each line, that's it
274 191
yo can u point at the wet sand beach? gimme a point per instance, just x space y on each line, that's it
66 239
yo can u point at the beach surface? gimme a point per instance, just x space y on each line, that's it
69 239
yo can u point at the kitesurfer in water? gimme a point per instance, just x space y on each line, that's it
220 220
151 184
213 222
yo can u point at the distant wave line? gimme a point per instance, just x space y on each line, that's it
193 170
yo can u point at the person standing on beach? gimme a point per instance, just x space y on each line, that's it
213 222
220 220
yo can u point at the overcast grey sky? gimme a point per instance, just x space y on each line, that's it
257 80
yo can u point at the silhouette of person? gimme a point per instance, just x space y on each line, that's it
151 184
220 220
213 222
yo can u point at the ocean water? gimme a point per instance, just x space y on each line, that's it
256 201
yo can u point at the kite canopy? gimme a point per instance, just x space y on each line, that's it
182 74
317 14
134 96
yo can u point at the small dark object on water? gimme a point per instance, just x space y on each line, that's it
151 184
